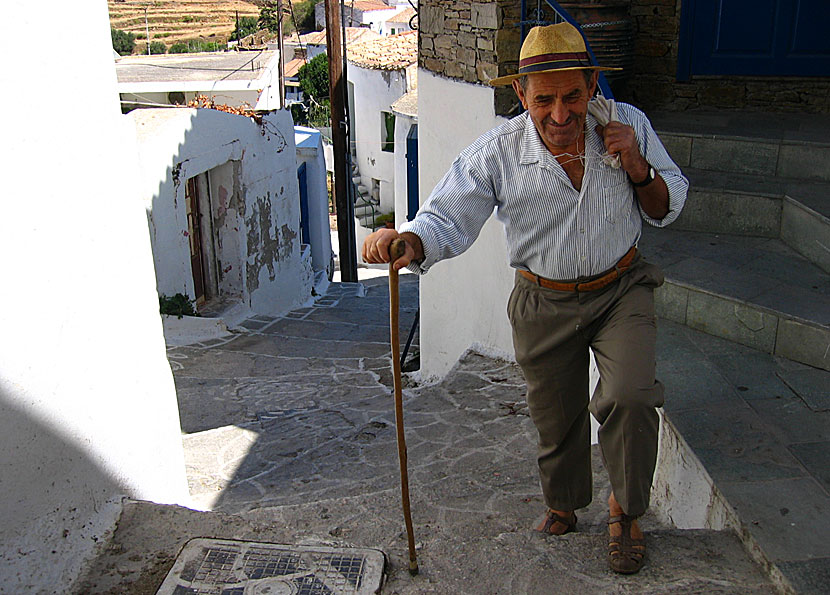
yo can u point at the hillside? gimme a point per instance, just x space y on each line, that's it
171 21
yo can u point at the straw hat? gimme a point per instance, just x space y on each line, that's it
549 49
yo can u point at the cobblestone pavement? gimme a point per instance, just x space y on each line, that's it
290 428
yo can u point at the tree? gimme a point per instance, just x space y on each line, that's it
269 17
304 11
158 47
314 81
244 27
122 42
314 77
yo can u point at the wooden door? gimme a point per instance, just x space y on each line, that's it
194 234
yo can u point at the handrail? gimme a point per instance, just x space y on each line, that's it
364 202
565 16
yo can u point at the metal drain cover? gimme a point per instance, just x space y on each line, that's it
228 567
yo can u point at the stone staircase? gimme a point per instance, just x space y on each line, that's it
744 339
366 207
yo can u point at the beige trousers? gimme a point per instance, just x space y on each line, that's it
552 333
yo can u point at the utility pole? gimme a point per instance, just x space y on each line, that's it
282 53
337 96
147 27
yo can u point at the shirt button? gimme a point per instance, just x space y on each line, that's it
582 230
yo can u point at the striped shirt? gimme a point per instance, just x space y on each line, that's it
552 229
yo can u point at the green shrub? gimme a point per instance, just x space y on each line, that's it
244 27
122 42
179 305
158 47
194 45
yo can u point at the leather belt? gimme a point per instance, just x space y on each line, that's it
592 285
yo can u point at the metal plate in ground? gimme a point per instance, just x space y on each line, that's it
227 567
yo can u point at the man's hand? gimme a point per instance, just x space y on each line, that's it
620 139
376 247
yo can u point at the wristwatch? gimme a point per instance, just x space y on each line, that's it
649 178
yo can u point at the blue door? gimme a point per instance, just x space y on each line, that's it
302 181
412 202
754 37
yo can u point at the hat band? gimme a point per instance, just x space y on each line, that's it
554 62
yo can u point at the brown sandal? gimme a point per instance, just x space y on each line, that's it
567 524
626 555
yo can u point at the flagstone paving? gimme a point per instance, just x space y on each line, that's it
289 438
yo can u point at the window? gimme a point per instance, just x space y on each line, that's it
387 132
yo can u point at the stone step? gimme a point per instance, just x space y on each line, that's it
754 291
745 444
780 145
794 210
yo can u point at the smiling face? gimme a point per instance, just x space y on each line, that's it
558 104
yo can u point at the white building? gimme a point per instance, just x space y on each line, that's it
406 157
400 22
88 409
314 43
359 13
239 79
315 227
223 205
380 72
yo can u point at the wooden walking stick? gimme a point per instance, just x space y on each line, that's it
396 250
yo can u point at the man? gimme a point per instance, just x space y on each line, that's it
573 218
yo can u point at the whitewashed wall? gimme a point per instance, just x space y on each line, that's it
233 97
463 300
354 17
310 151
88 408
374 92
402 126
256 206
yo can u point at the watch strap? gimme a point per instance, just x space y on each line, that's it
650 176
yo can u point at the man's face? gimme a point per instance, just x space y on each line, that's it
558 103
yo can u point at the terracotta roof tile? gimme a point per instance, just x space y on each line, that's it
394 52
407 104
403 16
353 35
293 66
366 5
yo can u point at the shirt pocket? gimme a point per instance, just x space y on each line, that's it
616 201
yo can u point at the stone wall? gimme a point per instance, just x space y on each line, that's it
476 41
457 39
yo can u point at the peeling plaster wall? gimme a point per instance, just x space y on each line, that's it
374 92
88 409
255 202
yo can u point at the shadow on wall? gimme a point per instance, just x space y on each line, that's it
41 475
